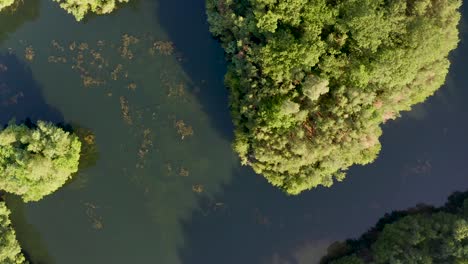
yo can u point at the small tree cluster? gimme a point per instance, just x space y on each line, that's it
420 235
10 250
79 8
35 162
311 81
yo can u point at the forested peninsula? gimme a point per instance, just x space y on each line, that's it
78 8
35 160
311 81
423 234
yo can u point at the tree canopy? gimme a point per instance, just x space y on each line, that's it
35 162
311 81
10 250
5 3
79 8
422 235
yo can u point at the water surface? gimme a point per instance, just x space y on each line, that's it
165 186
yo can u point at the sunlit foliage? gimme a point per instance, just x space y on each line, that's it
5 3
35 162
311 81
79 8
10 250
421 235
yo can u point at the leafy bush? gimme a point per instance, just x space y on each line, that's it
311 81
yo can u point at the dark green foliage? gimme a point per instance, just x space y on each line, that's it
35 162
10 250
311 81
422 235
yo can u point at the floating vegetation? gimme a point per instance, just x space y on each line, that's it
164 47
91 81
72 46
176 91
101 43
54 59
83 46
87 78
93 217
115 73
169 168
98 59
145 146
125 110
184 172
57 46
89 152
3 68
29 53
183 129
127 41
198 188
132 86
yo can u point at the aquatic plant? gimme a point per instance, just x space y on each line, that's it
34 162
183 129
312 81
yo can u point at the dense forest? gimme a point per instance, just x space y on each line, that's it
423 234
312 81
78 8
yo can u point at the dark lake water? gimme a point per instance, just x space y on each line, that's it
158 193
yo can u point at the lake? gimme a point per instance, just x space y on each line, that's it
162 184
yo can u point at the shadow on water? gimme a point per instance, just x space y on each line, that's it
27 235
14 17
20 95
202 57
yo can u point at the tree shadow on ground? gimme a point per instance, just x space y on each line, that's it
21 96
202 57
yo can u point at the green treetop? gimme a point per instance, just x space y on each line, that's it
10 250
79 8
5 3
311 81
421 235
35 162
